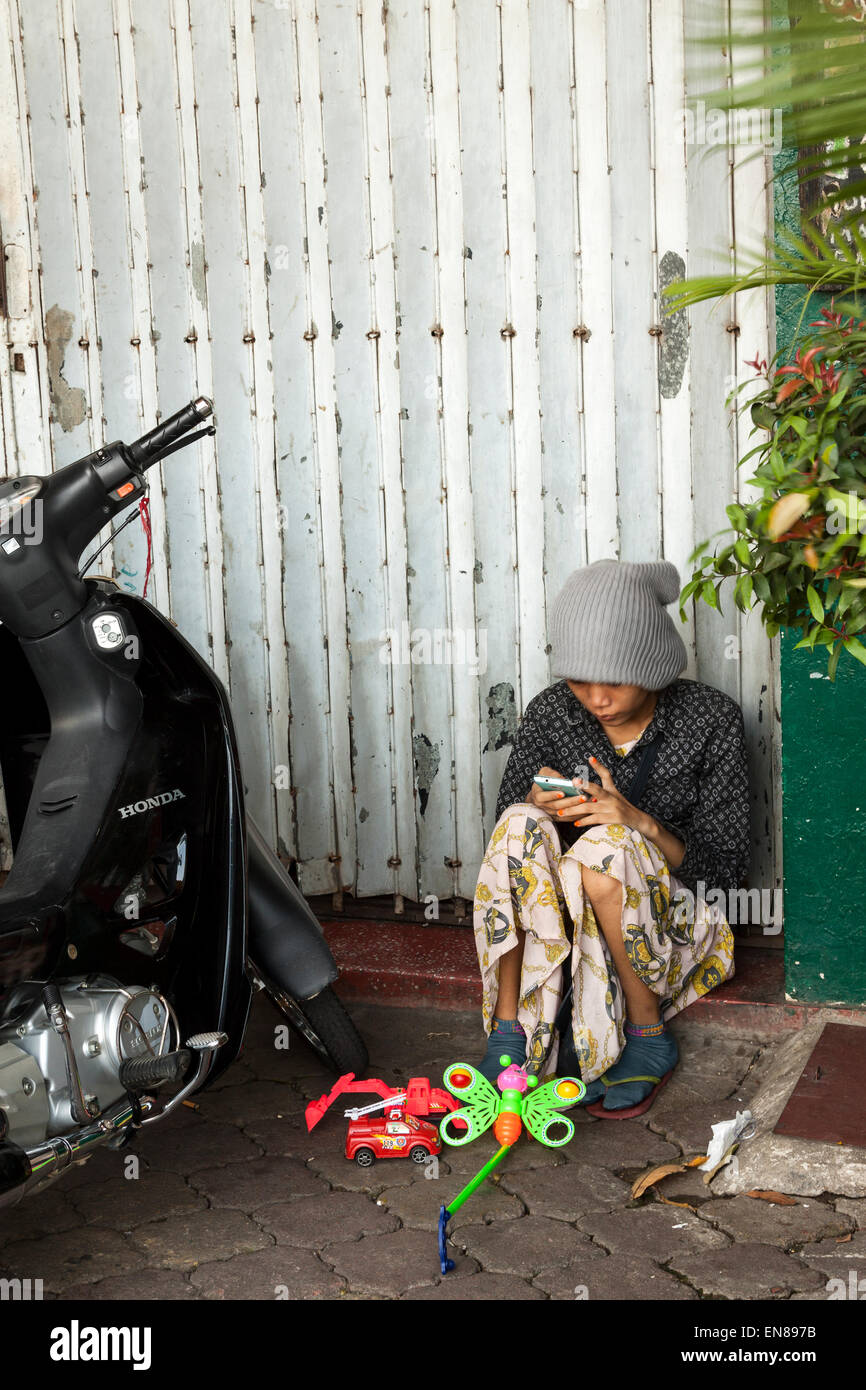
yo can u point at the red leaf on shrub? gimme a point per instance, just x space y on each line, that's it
789 389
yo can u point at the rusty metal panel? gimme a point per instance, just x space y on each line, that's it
363 315
414 189
321 333
729 200
504 685
415 253
670 254
554 67
23 364
455 418
191 541
758 660
596 328
828 1103
304 782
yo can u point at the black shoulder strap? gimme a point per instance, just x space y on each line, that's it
641 777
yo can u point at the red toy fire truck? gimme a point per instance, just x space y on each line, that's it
404 1136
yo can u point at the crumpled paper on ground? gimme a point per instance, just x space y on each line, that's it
725 1135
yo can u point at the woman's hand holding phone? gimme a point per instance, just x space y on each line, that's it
589 804
600 805
603 805
548 797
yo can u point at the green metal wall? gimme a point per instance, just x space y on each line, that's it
824 827
823 774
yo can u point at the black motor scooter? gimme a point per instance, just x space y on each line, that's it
143 907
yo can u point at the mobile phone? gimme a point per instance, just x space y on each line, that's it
559 784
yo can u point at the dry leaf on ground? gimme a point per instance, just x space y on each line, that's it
654 1175
779 1199
670 1203
725 1158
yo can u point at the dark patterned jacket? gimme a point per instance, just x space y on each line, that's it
698 788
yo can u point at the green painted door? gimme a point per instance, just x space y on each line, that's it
823 778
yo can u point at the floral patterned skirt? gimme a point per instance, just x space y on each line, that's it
681 947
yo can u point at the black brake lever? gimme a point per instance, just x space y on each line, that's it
179 444
182 443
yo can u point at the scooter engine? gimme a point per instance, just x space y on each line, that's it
53 1079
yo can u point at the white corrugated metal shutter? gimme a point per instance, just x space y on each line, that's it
414 252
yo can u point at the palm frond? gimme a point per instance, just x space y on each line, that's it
823 261
812 72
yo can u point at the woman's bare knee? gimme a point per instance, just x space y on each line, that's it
599 885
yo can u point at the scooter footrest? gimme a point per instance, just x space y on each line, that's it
140 1073
206 1042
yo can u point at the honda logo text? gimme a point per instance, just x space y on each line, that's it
152 803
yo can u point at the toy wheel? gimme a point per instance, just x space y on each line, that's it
365 1158
418 1153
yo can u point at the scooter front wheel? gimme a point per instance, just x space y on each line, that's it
324 1024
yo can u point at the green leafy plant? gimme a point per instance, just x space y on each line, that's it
806 60
800 549
811 68
832 260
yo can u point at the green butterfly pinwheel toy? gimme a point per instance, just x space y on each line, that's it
518 1100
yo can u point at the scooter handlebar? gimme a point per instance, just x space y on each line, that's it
146 450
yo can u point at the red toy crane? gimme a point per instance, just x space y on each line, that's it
418 1098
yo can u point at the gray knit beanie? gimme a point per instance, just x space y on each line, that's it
608 624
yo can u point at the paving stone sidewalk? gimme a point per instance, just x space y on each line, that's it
237 1200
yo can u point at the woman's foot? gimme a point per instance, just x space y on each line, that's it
650 1051
595 1091
507 1039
